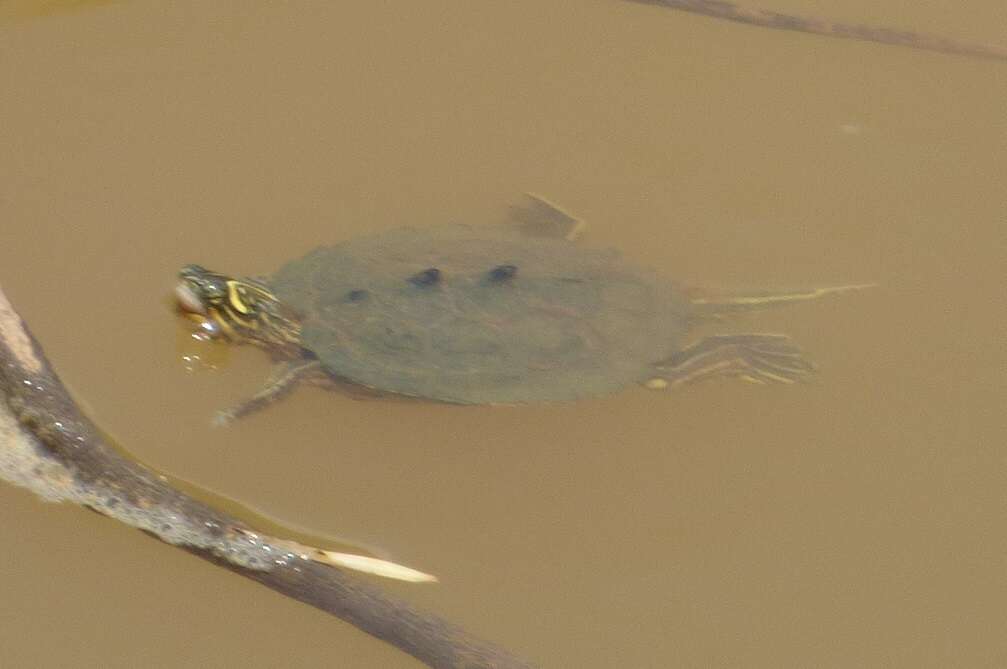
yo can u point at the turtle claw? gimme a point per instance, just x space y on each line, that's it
756 358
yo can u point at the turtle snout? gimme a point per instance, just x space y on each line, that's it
189 299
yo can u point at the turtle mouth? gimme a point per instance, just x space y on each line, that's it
189 300
195 309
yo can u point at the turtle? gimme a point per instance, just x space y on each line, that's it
509 312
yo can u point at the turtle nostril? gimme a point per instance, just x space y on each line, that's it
358 295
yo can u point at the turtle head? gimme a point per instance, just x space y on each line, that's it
239 310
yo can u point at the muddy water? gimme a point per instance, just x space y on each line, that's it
854 521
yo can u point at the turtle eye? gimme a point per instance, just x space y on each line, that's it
203 283
214 288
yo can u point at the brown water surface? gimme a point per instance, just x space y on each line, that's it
854 521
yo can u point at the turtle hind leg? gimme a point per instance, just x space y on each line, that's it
284 379
759 358
537 217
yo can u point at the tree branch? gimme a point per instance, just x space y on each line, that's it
730 11
50 447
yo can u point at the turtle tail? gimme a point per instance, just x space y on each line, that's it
729 303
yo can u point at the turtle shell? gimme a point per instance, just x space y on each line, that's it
481 314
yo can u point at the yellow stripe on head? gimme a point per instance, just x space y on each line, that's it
223 322
236 298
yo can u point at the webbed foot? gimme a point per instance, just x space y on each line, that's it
759 358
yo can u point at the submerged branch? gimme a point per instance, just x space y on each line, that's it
50 447
730 11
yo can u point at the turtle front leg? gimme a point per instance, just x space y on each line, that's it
759 358
283 380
